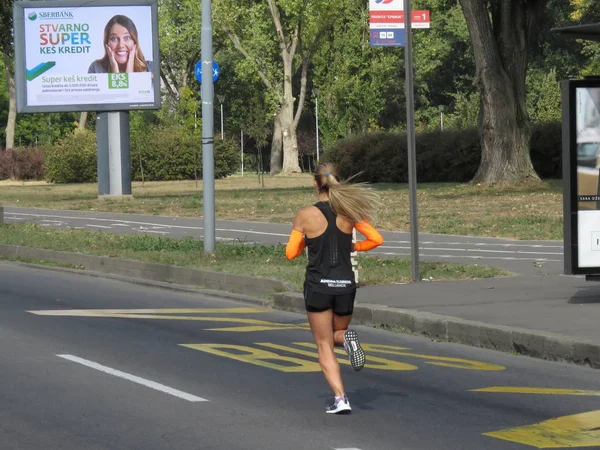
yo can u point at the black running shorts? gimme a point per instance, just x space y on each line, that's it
342 304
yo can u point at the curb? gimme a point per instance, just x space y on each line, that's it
220 281
537 344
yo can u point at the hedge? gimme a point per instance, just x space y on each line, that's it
166 153
73 159
448 156
25 163
172 153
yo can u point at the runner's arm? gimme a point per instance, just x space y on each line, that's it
295 245
373 237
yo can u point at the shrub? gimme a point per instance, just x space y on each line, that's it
174 153
73 159
441 156
25 163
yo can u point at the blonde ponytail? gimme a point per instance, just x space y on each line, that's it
355 202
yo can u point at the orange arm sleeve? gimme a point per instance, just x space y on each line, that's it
295 245
373 237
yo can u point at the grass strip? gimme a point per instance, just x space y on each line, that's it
242 259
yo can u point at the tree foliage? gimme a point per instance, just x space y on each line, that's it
273 53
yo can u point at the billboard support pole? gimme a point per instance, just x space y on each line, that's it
114 161
102 152
208 161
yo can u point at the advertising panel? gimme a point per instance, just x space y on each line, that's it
98 55
581 170
587 103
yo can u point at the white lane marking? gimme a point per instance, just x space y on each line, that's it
97 226
477 244
129 222
474 250
134 379
353 448
119 225
156 232
52 221
14 218
511 258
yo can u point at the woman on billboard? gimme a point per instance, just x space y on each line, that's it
122 50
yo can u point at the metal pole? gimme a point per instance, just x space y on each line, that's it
221 121
208 160
317 116
242 146
412 158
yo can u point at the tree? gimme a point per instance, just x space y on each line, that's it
278 39
360 87
179 33
7 50
586 11
500 33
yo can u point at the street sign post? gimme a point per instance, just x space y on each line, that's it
208 159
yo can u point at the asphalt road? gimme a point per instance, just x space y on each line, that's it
521 257
92 363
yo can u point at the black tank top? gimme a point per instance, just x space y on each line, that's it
329 268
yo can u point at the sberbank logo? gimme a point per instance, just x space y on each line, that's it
32 16
56 15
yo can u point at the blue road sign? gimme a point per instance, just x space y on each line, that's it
216 71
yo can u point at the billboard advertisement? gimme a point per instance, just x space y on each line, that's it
581 157
77 55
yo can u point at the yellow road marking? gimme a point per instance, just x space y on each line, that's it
167 314
457 363
579 430
111 312
372 361
257 357
541 391
275 326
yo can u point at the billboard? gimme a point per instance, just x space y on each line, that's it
581 170
86 55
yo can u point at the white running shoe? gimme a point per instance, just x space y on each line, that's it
341 406
355 352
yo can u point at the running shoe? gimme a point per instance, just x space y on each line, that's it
339 406
355 352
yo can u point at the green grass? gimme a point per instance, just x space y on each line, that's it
251 260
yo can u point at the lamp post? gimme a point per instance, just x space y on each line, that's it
441 107
221 99
316 94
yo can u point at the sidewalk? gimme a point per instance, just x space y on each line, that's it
553 317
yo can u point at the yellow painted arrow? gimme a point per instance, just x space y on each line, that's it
578 430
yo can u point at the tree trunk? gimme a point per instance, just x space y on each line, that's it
500 48
83 119
12 103
288 124
276 147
